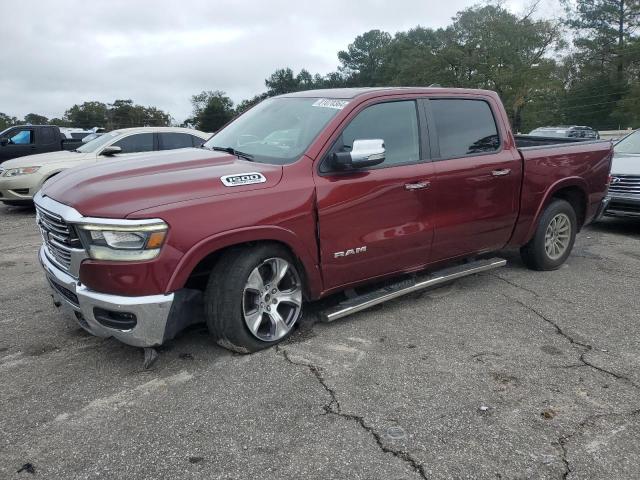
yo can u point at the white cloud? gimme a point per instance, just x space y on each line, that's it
161 52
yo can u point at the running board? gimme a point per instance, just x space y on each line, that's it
376 297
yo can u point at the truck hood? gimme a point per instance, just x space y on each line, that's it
115 189
46 159
625 164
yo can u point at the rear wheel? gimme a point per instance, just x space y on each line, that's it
253 298
554 237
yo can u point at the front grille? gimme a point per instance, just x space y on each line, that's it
628 207
625 184
65 292
59 238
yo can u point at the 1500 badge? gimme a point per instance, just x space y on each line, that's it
242 179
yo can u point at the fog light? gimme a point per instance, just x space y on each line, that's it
113 319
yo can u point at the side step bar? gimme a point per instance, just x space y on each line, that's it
367 300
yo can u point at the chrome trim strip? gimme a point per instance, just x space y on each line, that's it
71 215
436 278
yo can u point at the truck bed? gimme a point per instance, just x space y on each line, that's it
581 164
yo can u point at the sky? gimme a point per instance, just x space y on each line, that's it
159 53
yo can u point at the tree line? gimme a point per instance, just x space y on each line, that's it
119 114
580 69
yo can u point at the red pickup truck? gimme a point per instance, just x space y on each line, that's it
305 195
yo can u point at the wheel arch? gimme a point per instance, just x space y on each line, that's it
573 190
198 262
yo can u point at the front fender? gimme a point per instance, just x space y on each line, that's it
222 240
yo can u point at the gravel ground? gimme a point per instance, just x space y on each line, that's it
511 374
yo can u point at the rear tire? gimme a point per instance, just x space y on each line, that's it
553 239
253 298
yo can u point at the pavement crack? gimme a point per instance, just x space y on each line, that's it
564 440
525 289
513 284
333 408
585 347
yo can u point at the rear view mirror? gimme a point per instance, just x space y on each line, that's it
4 142
112 150
364 153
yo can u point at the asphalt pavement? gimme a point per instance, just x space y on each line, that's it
508 374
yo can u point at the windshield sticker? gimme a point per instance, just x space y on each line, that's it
242 179
330 103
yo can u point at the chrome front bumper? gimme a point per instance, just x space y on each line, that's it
622 206
152 312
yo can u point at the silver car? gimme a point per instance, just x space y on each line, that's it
624 189
22 177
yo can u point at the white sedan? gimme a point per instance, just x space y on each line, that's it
22 177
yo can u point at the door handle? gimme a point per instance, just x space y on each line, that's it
418 185
501 173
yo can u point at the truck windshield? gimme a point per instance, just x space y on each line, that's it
629 144
278 130
97 143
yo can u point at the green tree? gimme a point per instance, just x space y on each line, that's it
363 60
211 110
605 63
489 47
60 122
35 119
126 114
88 115
7 121
414 58
606 33
281 81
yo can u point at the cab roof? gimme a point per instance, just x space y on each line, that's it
348 93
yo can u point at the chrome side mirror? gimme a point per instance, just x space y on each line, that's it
364 153
112 150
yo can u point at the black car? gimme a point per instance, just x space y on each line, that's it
23 140
572 131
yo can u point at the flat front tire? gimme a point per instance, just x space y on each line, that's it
553 239
253 298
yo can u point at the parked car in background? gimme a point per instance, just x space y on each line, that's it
80 133
304 195
91 136
624 189
573 131
21 178
23 140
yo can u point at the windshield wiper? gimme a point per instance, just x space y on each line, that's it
233 151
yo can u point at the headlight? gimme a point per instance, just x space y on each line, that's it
14 172
123 242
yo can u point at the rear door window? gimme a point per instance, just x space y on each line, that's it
140 142
48 135
464 127
173 140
